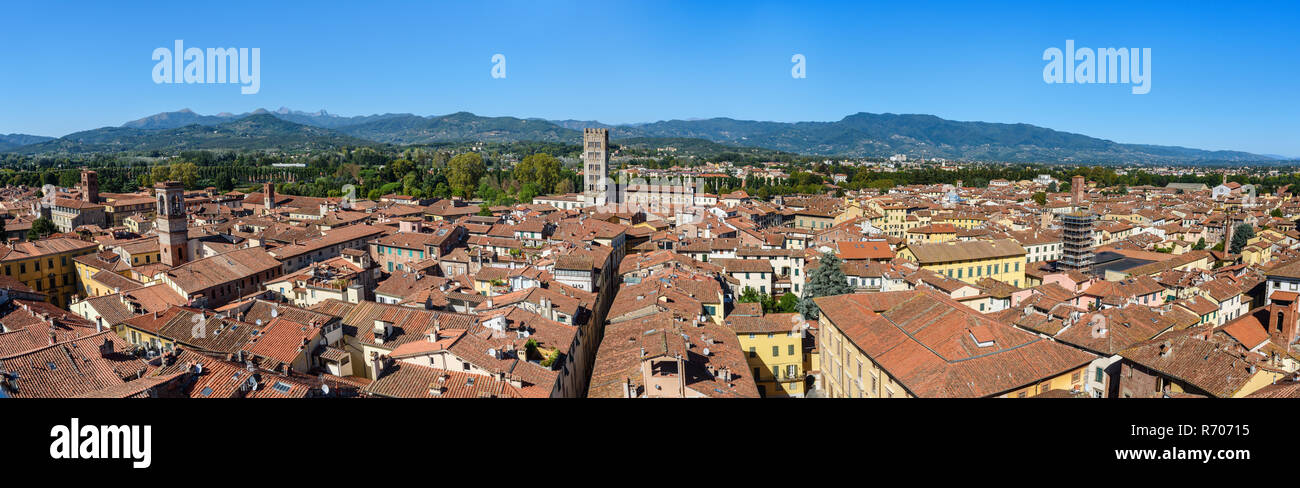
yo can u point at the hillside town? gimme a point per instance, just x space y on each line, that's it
653 288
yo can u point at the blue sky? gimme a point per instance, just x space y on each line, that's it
1224 76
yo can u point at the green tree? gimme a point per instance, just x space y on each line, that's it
401 167
564 186
464 171
40 228
1243 233
186 173
788 303
826 280
1040 198
1277 212
750 295
157 174
1053 188
1200 244
225 183
541 169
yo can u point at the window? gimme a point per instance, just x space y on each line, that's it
776 351
792 353
752 352
1100 374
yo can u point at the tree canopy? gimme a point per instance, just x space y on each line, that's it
827 279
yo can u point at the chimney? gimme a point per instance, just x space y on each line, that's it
546 309
381 330
377 362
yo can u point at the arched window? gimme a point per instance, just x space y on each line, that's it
1279 321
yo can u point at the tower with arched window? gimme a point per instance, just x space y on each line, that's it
172 233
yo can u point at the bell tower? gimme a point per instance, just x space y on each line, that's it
171 224
595 167
89 186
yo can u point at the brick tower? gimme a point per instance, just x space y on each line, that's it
173 236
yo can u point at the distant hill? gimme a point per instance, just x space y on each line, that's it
866 134
261 131
184 117
12 141
460 126
695 146
858 135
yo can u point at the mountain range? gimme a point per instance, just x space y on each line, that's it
858 135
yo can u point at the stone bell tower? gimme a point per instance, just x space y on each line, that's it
173 236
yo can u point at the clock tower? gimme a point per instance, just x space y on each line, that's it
171 224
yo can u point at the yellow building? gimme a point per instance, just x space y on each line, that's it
773 347
1256 254
932 233
852 210
47 265
141 251
870 348
971 261
964 221
87 266
891 218
814 219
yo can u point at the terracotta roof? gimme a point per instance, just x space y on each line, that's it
927 342
945 252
